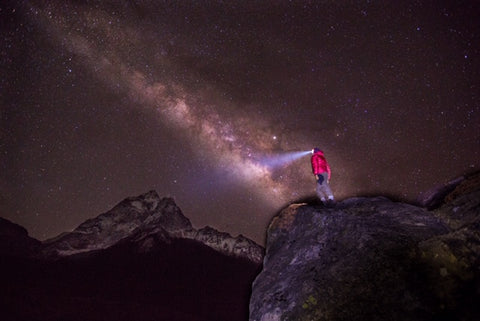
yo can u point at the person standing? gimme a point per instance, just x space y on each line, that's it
322 173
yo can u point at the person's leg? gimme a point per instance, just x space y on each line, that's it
320 193
328 191
321 183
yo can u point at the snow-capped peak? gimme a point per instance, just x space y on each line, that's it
135 218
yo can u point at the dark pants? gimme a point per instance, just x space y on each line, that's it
324 191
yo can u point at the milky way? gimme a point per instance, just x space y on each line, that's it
197 100
236 144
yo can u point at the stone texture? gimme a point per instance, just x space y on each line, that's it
373 259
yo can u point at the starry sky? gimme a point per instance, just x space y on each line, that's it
102 100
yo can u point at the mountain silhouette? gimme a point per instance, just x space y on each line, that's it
142 260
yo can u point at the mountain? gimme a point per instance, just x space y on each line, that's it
15 242
142 260
140 220
367 258
374 259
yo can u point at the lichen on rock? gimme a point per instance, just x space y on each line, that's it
373 259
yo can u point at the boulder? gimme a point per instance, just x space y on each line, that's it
373 259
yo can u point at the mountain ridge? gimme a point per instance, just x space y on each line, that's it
367 258
146 215
142 260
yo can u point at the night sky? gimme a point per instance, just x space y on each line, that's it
101 100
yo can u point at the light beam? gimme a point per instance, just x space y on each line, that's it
276 161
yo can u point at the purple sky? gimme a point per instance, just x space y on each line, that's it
101 100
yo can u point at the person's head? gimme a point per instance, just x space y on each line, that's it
316 150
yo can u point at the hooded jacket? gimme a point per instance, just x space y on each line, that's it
320 164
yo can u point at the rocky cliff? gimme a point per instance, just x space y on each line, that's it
374 259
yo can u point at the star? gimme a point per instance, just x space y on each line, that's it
210 102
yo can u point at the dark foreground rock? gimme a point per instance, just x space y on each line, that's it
374 259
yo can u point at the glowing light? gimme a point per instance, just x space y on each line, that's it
283 159
232 143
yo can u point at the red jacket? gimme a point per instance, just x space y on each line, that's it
320 164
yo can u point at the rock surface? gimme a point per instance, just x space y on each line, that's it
374 259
